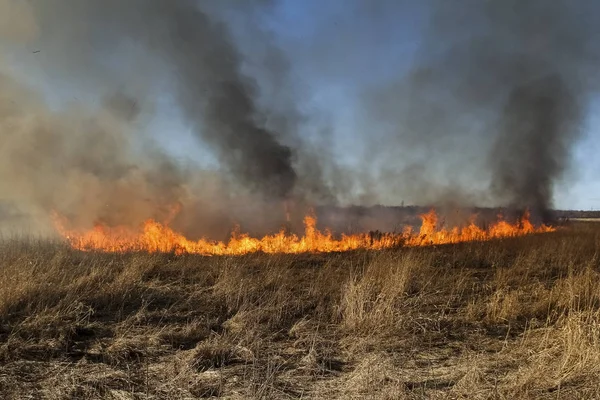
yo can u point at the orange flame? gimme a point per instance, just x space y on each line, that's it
157 237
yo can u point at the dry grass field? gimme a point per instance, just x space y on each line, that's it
507 319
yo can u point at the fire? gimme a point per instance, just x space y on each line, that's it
157 237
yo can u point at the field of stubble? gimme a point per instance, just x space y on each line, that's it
509 319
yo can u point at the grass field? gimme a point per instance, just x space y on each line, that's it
510 319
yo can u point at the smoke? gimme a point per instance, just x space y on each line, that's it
92 161
216 98
540 126
481 106
197 52
542 56
79 162
497 94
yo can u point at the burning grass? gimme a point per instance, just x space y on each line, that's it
511 318
157 237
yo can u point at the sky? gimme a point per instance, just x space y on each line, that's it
333 59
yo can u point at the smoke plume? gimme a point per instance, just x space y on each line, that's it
79 162
215 96
484 109
497 93
198 53
90 161
539 127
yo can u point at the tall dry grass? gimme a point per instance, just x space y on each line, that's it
517 318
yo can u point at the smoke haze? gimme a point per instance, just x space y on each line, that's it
498 94
484 109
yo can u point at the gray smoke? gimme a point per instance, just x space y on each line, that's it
497 93
215 96
486 113
197 53
540 124
93 162
79 162
544 55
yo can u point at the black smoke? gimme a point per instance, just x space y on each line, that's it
494 102
540 124
486 112
92 161
216 97
185 42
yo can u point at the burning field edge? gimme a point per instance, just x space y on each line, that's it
154 236
511 318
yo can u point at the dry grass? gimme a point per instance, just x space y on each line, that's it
511 319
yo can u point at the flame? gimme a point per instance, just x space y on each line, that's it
158 237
